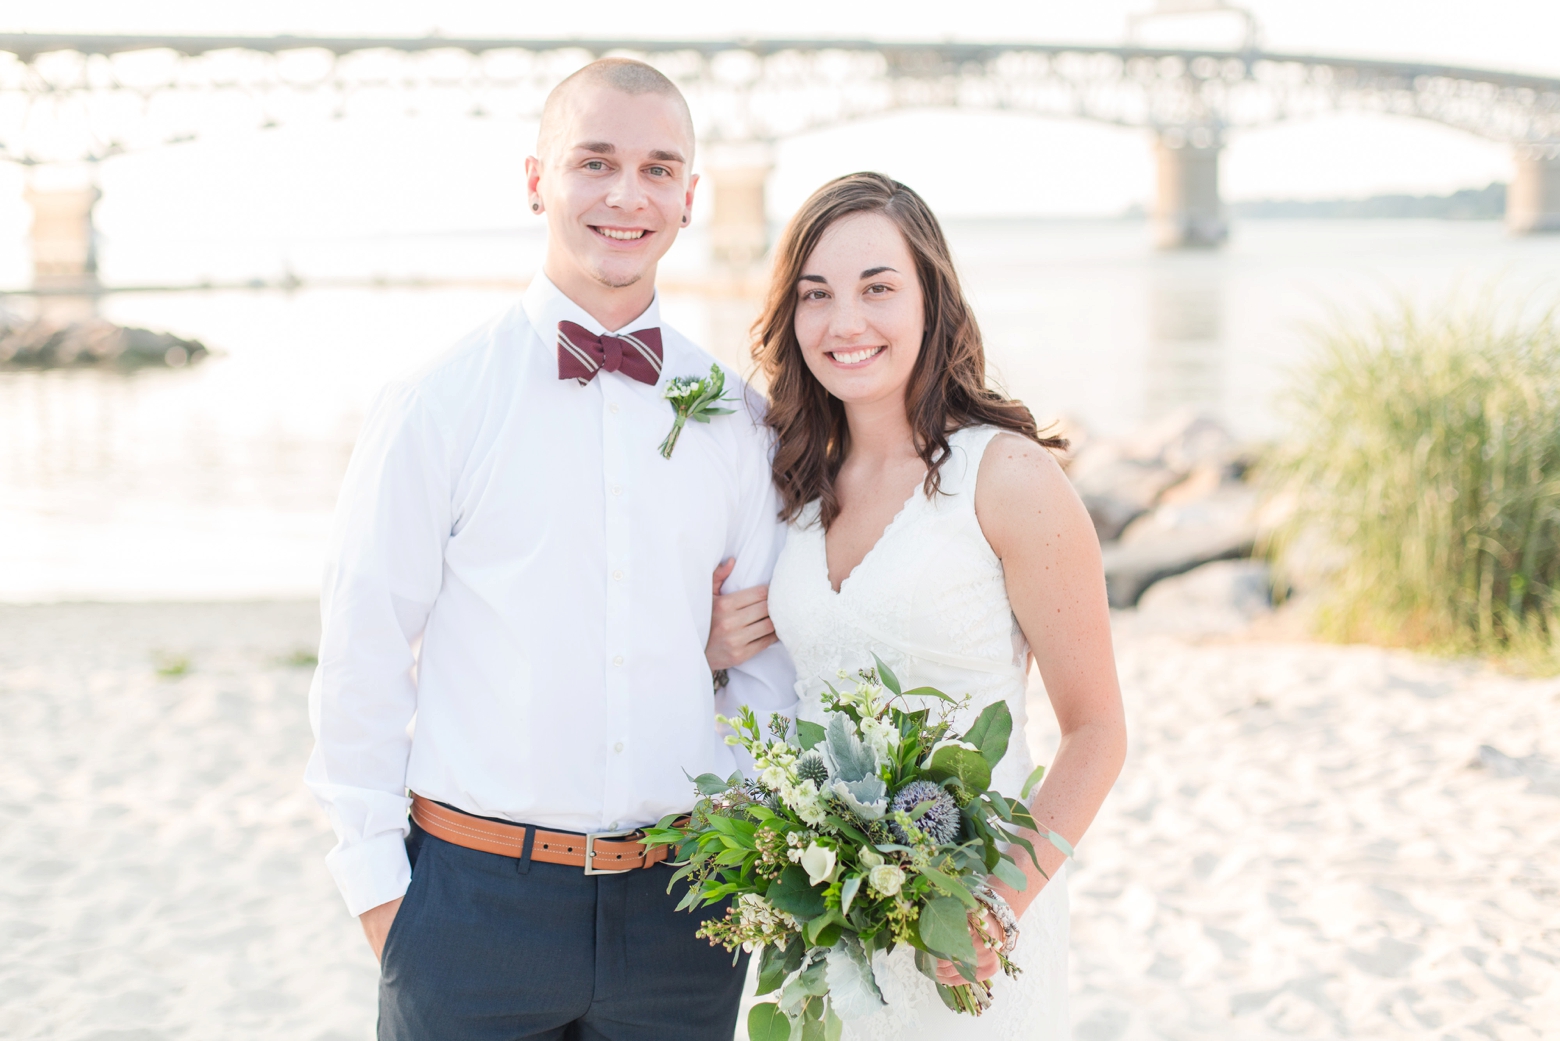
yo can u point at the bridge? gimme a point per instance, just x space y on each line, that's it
83 99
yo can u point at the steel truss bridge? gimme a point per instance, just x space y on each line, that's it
74 98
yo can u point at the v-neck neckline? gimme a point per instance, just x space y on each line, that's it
823 541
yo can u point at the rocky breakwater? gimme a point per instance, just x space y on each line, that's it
1168 499
42 344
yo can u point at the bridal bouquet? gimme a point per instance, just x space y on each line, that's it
876 829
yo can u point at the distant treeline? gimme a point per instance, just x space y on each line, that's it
1487 203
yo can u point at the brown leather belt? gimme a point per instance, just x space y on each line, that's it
599 854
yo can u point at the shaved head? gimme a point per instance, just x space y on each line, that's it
624 75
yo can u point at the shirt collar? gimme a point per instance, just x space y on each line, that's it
546 305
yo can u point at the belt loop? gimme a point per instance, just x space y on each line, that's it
523 865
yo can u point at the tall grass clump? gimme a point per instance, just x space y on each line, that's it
1422 472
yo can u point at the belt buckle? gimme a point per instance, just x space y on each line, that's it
590 851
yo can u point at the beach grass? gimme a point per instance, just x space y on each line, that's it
1421 482
172 666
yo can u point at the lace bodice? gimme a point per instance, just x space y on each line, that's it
930 599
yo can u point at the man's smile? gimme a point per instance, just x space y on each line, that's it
619 234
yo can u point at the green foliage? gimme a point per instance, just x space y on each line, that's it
1423 472
172 666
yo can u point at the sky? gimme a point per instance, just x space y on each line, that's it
396 172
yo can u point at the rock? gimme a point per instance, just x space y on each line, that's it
1184 440
1117 493
1176 538
1223 596
40 344
1182 457
1542 775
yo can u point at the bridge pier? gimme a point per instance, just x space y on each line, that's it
1533 200
739 232
739 228
1188 213
64 250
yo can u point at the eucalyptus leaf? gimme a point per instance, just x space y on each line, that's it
767 1023
1059 842
949 885
808 733
771 969
886 675
853 990
707 784
946 931
792 893
971 768
990 733
848 890
1009 872
833 1026
929 692
1029 785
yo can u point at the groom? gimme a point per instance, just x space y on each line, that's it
515 619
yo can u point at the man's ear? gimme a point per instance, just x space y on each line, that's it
533 178
693 182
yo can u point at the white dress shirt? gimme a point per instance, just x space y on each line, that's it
517 598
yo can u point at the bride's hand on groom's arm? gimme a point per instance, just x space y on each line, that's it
376 923
739 622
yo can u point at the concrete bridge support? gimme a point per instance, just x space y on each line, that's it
1533 200
739 230
64 251
1188 213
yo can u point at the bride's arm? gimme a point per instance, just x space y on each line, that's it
1051 559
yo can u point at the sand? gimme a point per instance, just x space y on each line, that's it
1300 846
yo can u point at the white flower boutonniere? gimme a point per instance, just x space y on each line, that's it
695 399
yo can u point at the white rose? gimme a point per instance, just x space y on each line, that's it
870 858
886 879
818 862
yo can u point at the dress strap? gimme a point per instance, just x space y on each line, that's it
966 448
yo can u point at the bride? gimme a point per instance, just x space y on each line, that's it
930 524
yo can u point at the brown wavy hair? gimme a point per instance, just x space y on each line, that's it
947 389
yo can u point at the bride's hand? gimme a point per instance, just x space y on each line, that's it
739 622
986 963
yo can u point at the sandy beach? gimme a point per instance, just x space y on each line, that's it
1307 841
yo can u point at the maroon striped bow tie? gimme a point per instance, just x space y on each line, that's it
582 354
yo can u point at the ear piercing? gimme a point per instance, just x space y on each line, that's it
685 218
536 207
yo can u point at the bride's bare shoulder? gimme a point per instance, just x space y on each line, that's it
1022 492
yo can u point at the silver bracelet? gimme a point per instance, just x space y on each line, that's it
1003 913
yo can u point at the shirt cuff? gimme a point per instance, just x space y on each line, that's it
372 872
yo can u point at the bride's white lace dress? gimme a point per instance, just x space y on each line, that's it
930 600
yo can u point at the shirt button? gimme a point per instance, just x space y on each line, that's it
617 660
613 408
617 748
618 575
616 825
616 490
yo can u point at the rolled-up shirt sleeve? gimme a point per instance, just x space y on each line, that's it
766 682
382 576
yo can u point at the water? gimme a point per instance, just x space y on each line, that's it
218 481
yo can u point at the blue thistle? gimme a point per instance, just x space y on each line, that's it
940 822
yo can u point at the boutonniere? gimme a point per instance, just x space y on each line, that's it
695 399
